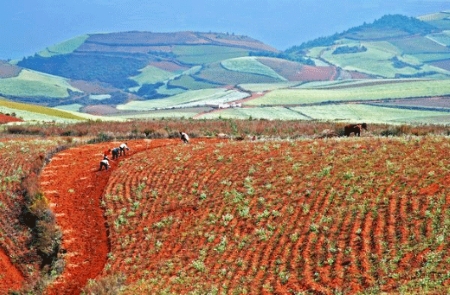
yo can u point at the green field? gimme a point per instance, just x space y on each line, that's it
34 84
216 73
382 91
75 107
193 98
335 112
269 113
164 114
261 87
202 54
371 114
377 60
152 75
188 82
419 45
441 38
66 47
250 65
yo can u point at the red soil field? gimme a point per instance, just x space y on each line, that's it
11 277
252 217
7 119
323 216
8 70
74 186
313 73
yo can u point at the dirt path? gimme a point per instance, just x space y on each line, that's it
74 186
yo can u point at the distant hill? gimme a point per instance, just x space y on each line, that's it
131 74
394 46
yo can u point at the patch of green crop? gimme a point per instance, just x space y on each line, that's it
406 89
371 114
269 113
202 54
188 82
34 84
250 65
152 75
193 98
66 47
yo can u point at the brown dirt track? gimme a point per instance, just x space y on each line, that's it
74 187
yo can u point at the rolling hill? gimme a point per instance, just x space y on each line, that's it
137 74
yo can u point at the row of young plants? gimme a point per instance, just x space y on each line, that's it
334 216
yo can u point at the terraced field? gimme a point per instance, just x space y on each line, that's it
234 217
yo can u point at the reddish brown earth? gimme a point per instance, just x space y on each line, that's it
6 119
318 239
74 185
10 277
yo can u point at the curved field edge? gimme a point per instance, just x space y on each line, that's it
325 216
74 185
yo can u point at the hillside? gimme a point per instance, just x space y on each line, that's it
211 75
300 216
393 46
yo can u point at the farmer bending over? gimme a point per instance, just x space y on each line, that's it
184 137
106 152
123 147
104 163
115 153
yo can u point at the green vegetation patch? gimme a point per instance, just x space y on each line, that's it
162 114
152 75
75 107
269 113
66 47
406 89
250 65
442 38
193 98
202 54
34 84
189 82
216 73
419 44
371 114
262 87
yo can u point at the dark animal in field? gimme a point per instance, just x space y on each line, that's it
354 128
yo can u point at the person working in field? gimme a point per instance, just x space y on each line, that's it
115 153
104 163
106 152
123 147
184 137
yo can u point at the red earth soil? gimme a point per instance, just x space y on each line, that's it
6 119
74 186
10 276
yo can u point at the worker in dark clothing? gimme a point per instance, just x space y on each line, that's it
115 153
184 137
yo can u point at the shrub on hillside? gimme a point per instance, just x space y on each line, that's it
105 286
